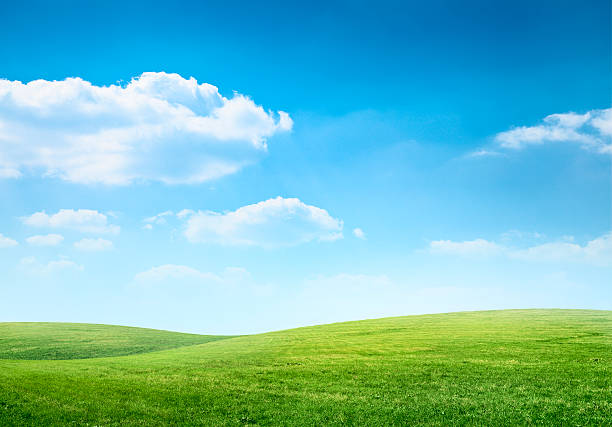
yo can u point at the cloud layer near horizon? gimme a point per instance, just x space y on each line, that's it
158 127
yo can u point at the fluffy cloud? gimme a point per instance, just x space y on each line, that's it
597 251
478 247
591 130
158 127
358 232
46 240
33 266
271 223
83 220
93 245
6 242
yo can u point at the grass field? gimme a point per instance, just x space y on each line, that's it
39 341
508 367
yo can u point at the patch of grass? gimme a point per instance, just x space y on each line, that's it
511 367
40 341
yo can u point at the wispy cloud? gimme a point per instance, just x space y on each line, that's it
6 242
45 240
359 233
597 251
158 127
93 245
32 266
174 274
160 218
484 153
477 247
591 130
83 220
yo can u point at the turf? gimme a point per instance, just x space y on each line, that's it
515 367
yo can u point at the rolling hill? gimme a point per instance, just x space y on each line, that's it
60 341
506 367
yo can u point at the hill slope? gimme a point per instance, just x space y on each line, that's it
38 341
510 367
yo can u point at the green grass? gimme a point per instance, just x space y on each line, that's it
38 341
513 367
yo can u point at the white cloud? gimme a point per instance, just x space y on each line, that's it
174 272
591 130
162 218
478 247
597 251
184 213
358 232
174 275
603 122
6 242
33 266
46 240
158 127
484 153
271 223
93 245
6 172
83 220
159 219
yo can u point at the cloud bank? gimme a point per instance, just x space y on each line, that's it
158 127
591 130
272 223
83 220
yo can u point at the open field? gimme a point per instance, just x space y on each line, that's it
493 367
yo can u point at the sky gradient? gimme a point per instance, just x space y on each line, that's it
230 167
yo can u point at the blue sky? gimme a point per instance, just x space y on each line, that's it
226 167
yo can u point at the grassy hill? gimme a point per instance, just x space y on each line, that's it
38 341
495 368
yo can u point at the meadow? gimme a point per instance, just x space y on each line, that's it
510 367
